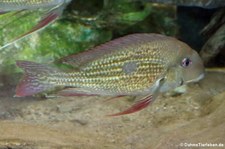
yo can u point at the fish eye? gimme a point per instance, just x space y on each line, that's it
186 62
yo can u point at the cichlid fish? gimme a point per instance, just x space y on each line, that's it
134 65
55 8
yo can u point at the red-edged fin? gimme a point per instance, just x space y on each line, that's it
136 107
109 47
50 17
17 12
115 97
34 79
75 92
9 14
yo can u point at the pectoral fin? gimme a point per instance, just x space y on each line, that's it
136 107
143 103
47 19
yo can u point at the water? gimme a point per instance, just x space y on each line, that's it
174 120
80 122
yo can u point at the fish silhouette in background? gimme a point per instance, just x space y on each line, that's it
55 8
134 65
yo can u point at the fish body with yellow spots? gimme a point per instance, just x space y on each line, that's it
134 65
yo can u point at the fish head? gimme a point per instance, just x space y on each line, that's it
186 67
191 66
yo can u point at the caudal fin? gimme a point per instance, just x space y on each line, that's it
35 79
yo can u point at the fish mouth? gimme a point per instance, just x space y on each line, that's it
181 82
201 76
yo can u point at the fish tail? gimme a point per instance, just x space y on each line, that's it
35 79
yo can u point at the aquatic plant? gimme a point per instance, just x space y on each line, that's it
82 26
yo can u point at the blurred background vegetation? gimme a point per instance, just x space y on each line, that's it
86 24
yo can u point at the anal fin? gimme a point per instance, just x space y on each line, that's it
75 92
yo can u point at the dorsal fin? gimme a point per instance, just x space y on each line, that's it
109 47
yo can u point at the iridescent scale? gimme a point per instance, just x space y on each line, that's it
107 73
